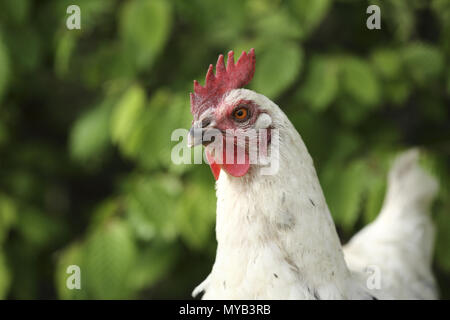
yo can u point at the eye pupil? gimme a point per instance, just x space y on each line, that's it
241 113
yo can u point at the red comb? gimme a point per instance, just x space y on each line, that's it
232 77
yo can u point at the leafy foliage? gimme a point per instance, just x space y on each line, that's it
86 118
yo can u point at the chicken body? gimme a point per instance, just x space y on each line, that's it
398 246
277 240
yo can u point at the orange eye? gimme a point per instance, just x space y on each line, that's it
240 114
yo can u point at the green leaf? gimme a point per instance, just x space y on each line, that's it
149 136
89 136
442 222
30 42
214 23
310 12
437 166
167 112
321 84
153 264
105 211
345 192
195 214
399 17
278 67
423 62
72 255
448 84
375 197
8 216
359 81
64 50
38 228
144 29
350 112
278 25
387 63
345 145
5 277
93 12
108 258
151 203
15 11
4 134
108 64
126 116
397 91
4 68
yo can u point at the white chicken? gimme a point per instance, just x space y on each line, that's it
275 235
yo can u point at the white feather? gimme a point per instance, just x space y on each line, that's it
400 241
276 238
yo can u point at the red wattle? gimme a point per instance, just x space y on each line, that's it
215 168
237 169
234 169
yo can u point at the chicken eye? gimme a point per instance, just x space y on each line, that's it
241 114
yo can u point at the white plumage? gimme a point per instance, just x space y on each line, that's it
400 241
277 240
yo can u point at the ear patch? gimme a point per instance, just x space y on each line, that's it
264 121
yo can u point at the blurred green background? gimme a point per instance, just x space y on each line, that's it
86 117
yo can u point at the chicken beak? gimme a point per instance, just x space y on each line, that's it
195 137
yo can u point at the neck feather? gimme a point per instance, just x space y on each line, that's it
283 216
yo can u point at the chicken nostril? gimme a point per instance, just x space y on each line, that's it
206 122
